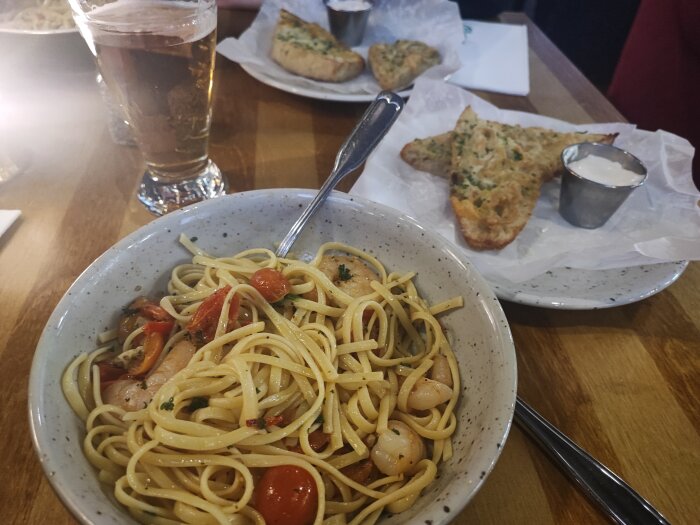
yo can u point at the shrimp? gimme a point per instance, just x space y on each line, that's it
441 370
348 273
398 449
427 394
132 394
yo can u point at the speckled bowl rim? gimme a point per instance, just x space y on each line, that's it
448 503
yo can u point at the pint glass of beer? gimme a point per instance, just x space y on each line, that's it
157 58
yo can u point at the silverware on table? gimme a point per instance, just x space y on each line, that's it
371 128
615 497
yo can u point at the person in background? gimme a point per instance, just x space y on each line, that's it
656 84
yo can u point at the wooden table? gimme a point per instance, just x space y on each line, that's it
624 383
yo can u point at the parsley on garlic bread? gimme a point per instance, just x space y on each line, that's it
397 65
431 154
306 49
496 172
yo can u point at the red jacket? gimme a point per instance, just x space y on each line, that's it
657 81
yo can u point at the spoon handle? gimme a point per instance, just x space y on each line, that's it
615 497
371 128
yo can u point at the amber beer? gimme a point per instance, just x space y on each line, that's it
162 74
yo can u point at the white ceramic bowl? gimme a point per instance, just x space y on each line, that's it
49 52
140 264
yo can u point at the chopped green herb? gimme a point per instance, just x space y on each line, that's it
343 273
143 385
517 155
472 180
168 405
395 431
197 403
319 420
289 296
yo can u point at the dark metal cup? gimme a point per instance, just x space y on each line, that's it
348 25
587 203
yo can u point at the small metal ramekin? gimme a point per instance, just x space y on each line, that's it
348 26
587 203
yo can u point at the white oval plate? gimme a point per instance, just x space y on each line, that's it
47 32
576 289
317 92
140 265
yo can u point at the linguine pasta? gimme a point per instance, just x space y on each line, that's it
37 15
258 393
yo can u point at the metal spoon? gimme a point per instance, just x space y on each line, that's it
612 494
371 128
615 497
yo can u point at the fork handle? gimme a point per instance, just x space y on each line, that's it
371 128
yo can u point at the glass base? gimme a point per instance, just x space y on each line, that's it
161 198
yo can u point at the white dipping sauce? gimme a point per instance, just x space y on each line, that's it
349 5
604 171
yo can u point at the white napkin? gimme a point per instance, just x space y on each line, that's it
435 22
494 58
7 217
659 222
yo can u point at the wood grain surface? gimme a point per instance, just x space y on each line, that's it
622 382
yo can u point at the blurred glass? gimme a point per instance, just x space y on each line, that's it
157 59
8 166
119 128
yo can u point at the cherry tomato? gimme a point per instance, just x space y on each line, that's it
149 309
359 472
317 441
109 372
127 324
206 318
139 311
156 332
162 327
155 312
286 495
271 284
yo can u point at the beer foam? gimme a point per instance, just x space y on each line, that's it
189 21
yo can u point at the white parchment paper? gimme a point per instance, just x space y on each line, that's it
435 22
659 222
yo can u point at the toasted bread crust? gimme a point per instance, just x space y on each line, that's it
496 173
431 154
434 154
308 50
397 65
